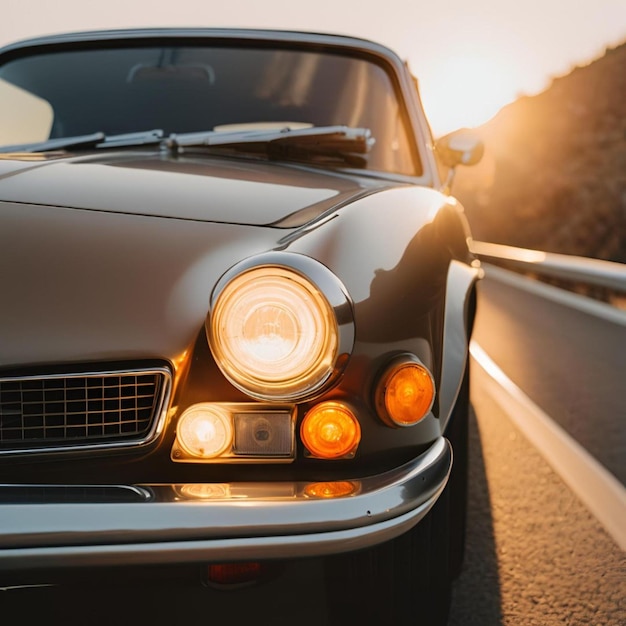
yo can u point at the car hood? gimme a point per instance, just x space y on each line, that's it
114 257
226 190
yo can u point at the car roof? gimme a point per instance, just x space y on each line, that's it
216 34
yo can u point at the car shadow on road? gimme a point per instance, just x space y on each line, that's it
476 592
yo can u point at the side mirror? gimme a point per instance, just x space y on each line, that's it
462 147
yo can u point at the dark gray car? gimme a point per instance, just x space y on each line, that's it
236 305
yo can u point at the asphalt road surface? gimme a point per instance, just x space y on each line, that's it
570 361
536 555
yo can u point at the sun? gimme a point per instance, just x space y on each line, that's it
466 91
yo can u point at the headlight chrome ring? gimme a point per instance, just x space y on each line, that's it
280 326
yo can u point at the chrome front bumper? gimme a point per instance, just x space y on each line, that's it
166 524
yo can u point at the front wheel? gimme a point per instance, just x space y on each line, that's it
401 582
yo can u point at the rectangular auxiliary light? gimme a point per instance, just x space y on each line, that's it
264 434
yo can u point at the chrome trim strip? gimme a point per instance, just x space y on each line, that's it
215 550
160 412
61 492
168 529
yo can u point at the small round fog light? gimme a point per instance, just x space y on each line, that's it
330 430
204 430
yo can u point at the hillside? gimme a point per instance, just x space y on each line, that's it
554 172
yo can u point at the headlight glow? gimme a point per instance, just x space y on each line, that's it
273 333
204 431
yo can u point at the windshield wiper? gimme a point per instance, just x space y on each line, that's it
326 142
93 140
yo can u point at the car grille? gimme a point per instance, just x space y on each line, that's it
84 409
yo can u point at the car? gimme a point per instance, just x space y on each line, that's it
237 300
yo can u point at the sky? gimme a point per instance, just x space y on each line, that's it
471 56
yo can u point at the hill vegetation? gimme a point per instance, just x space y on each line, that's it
553 176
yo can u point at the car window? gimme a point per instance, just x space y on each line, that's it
196 88
30 116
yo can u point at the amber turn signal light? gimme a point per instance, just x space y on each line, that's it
330 430
405 392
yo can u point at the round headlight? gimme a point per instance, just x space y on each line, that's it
274 334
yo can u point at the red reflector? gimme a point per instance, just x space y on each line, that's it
234 573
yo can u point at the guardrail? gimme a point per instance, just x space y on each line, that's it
575 269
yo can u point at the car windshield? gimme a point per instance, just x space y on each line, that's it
191 88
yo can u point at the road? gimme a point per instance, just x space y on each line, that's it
536 555
570 361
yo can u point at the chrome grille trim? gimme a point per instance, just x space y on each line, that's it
82 410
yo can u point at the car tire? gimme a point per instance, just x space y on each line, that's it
457 432
401 582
